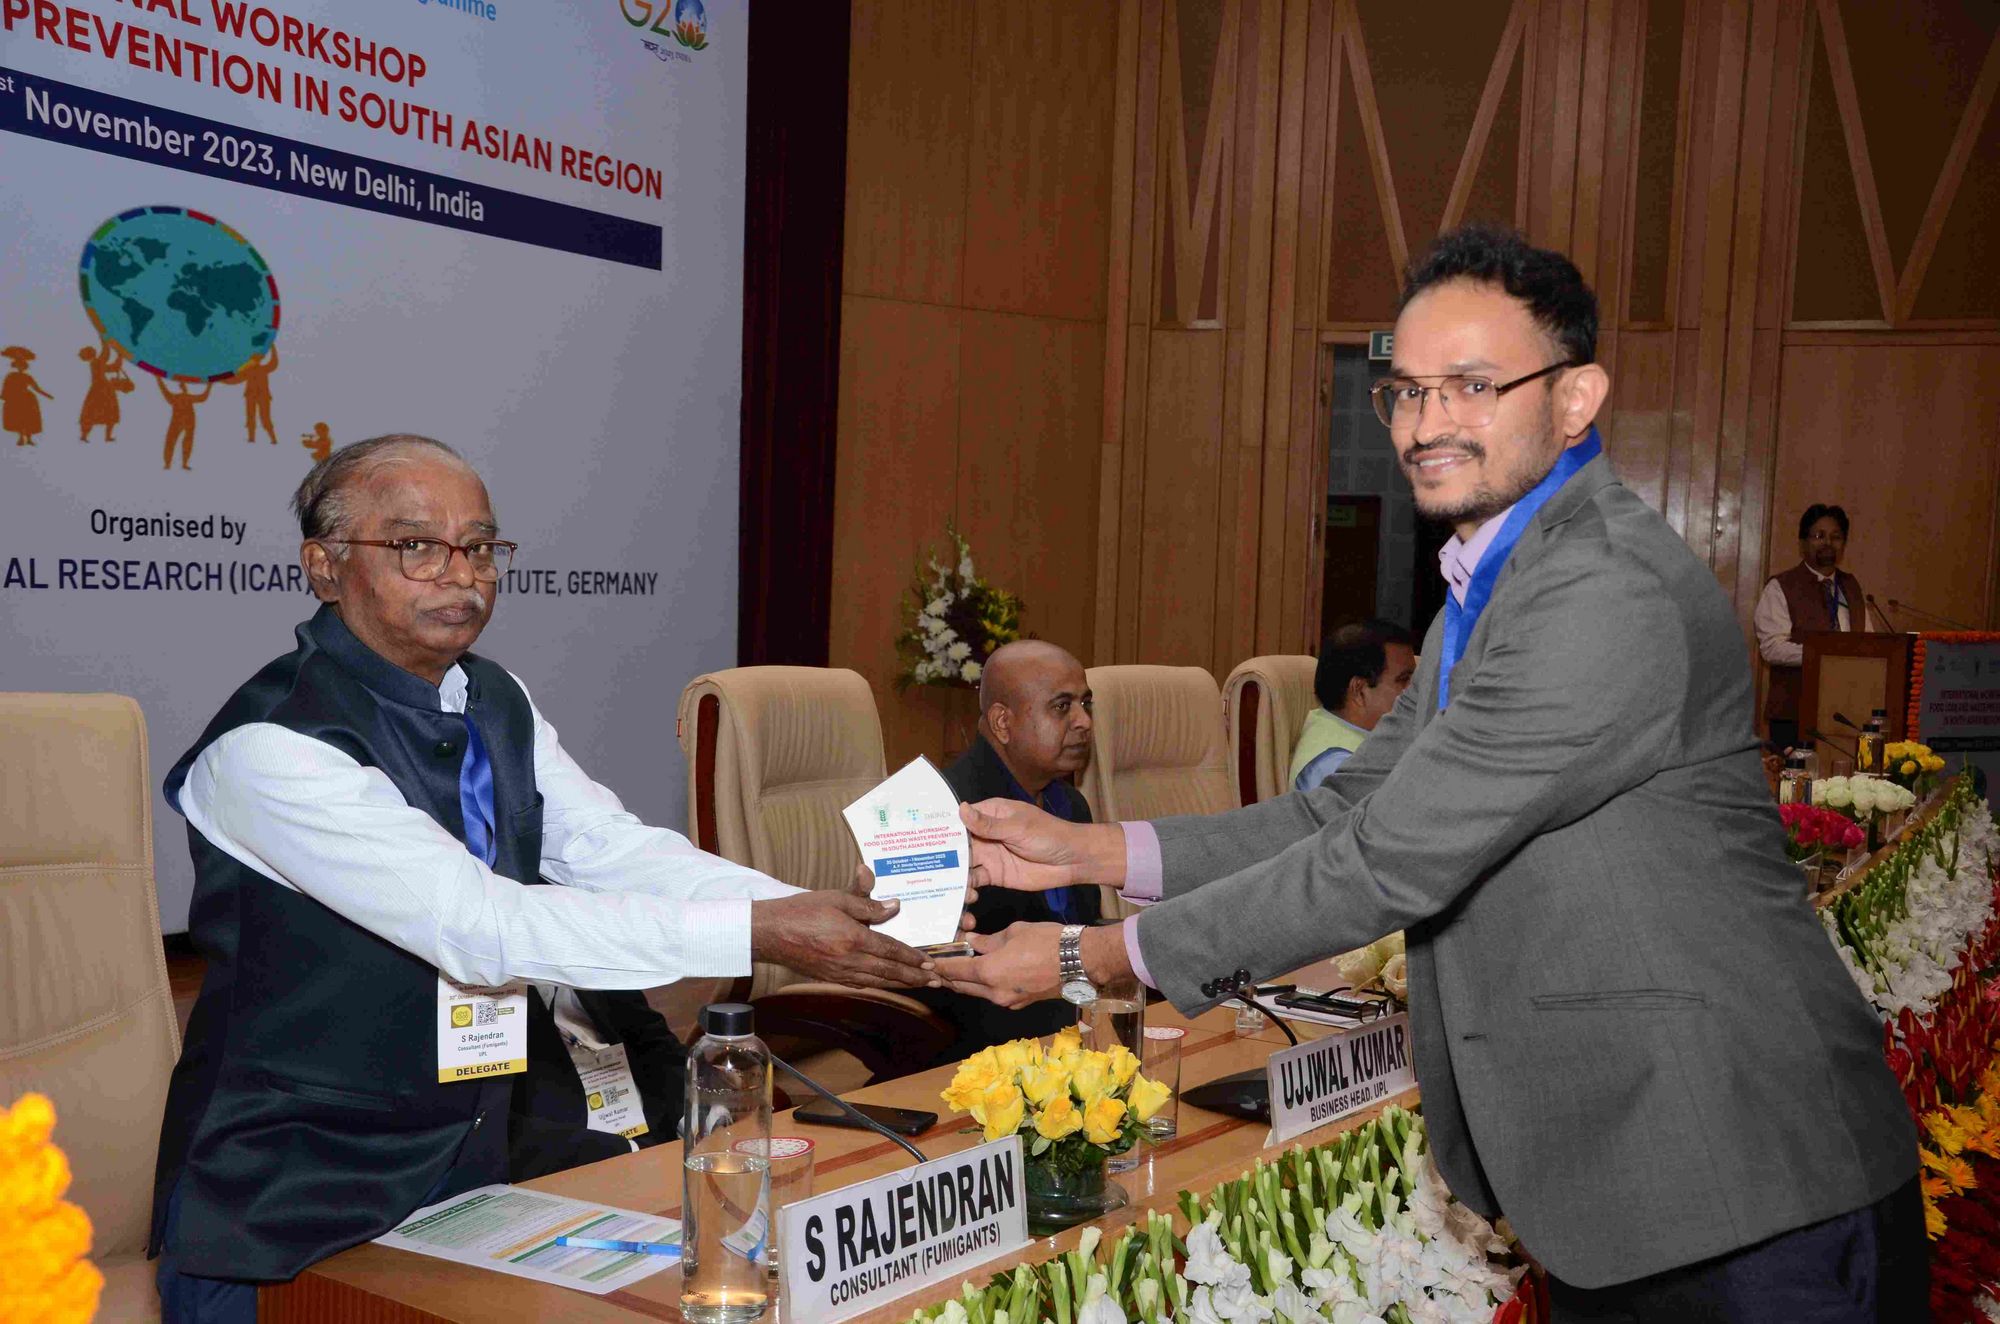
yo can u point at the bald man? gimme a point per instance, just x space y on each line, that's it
1034 734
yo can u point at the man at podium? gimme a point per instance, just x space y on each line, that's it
1816 594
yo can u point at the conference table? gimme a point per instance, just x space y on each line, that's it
372 1284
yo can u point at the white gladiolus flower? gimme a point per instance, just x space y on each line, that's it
1209 1261
1099 1307
965 566
1292 1306
1239 1303
954 1312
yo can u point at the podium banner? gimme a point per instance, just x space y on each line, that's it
1958 706
244 232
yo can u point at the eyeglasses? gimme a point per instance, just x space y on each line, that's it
1469 402
426 559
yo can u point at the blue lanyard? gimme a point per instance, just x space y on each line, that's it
1459 622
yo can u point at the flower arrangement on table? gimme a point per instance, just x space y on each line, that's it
44 1275
1911 765
1360 1230
1866 798
1918 933
1812 830
1073 1107
956 620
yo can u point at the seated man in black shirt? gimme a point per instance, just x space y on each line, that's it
1034 733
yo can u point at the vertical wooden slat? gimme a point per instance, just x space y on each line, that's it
1118 331
1745 262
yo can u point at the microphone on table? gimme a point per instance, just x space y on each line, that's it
848 1108
1849 750
1247 1094
1930 615
1842 718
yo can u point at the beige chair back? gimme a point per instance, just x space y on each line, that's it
85 1014
1267 699
774 754
1160 748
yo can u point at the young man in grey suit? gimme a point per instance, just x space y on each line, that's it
1631 1034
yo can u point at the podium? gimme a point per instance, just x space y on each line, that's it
1852 674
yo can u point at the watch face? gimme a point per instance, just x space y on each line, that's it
1079 991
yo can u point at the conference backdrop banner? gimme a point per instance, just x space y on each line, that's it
242 232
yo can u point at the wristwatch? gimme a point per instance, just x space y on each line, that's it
1076 985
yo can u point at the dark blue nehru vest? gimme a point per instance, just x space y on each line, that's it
305 1114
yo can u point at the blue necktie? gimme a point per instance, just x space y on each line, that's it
475 795
1833 604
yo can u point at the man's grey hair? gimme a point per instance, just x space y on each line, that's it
324 501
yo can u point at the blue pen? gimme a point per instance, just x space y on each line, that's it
629 1247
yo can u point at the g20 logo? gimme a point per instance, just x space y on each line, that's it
683 20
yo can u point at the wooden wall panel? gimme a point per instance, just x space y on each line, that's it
1184 442
909 118
979 197
1029 412
1922 511
894 486
1038 220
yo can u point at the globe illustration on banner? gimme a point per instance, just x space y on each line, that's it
180 292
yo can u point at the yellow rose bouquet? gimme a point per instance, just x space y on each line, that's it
1072 1106
1911 765
44 1275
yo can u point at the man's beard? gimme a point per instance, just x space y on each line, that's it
1486 499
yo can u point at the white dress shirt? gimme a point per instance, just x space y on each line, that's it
638 906
1773 622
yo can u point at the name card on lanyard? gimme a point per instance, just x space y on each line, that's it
1461 619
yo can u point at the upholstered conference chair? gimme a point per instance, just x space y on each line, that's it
774 754
1160 748
85 1014
1267 699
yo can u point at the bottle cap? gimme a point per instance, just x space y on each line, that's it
727 1018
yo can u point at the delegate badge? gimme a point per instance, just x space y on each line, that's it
609 1092
481 1031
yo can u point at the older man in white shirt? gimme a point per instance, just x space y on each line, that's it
369 816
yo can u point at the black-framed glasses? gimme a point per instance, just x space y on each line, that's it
425 559
1469 402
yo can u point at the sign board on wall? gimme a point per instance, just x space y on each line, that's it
245 231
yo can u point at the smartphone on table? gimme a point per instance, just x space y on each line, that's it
903 1121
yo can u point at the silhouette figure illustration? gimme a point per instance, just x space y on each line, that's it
255 379
20 411
180 425
107 382
318 442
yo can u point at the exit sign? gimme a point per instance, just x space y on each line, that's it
1381 345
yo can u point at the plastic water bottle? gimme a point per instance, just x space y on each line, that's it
1871 741
726 1183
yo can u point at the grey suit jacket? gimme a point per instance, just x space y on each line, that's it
1632 1036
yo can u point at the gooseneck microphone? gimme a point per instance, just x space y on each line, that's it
1883 612
1930 615
849 1108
